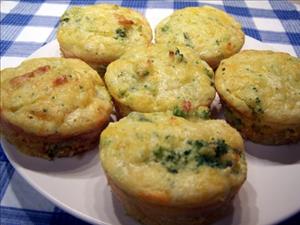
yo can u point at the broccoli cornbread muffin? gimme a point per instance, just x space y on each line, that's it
210 32
158 78
53 107
100 34
261 93
171 171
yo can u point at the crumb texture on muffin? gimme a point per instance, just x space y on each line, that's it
48 101
261 91
99 34
210 32
160 78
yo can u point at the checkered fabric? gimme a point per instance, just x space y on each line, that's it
27 25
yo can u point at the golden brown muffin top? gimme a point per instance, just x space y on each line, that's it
101 33
167 160
159 78
210 32
262 84
54 96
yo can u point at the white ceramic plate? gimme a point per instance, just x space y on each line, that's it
78 185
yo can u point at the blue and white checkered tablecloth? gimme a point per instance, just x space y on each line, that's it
27 25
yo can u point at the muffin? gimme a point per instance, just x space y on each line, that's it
53 107
261 94
158 78
100 34
168 170
210 32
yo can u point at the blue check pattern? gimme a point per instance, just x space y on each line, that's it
27 25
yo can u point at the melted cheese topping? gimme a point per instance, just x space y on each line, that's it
160 78
210 32
262 84
49 96
101 33
132 156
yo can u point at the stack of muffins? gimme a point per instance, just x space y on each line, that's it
165 159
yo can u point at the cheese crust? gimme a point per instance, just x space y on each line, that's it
100 34
159 78
172 166
261 90
210 32
52 102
